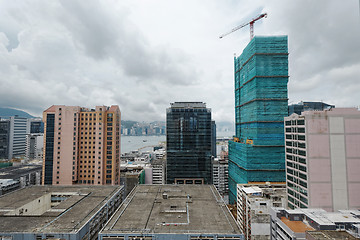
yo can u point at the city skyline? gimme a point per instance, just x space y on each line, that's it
139 53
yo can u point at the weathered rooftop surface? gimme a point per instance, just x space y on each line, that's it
172 209
53 209
15 172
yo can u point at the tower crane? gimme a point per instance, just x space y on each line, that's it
245 24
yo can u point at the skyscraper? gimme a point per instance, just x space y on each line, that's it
17 140
188 139
322 159
4 138
261 76
82 146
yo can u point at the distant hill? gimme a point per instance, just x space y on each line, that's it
9 112
127 124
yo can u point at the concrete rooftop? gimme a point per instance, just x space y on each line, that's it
172 209
33 209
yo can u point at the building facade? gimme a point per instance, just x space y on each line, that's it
253 207
221 175
322 159
34 146
4 138
188 140
81 146
17 140
261 77
308 106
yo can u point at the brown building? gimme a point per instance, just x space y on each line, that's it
81 146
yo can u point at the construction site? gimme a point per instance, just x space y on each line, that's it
261 77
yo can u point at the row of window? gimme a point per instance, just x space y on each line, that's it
294 122
295 130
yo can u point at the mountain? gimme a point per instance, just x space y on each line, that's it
9 112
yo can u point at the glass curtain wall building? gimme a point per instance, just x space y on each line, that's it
188 139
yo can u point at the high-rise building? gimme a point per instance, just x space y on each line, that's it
261 76
322 159
188 140
308 106
213 139
4 138
82 146
34 146
35 125
221 175
17 140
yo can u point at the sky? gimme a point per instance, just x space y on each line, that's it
142 55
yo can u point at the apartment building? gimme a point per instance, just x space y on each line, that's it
81 145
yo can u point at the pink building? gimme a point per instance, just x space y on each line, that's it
81 146
323 159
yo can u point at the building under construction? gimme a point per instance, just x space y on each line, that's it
261 76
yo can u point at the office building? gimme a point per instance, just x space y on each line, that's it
261 75
213 139
158 171
57 212
34 146
314 224
188 140
308 106
82 146
13 132
178 212
4 138
35 125
221 175
253 207
322 159
17 139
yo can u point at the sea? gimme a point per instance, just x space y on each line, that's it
146 143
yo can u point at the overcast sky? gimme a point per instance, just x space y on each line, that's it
142 55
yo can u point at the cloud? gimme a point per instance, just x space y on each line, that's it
141 57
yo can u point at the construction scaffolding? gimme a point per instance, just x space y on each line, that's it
261 76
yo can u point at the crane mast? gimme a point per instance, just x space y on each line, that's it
251 23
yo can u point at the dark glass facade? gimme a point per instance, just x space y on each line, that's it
37 127
4 139
308 106
188 127
49 148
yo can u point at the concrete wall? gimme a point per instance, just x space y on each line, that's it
333 158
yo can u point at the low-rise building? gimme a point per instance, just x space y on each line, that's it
177 212
15 177
54 212
294 224
253 207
